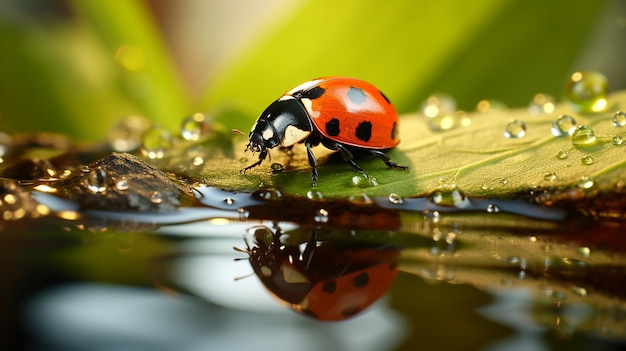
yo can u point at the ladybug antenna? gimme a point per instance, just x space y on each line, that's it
237 131
243 276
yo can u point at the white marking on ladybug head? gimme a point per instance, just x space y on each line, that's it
294 135
308 105
268 134
292 276
266 271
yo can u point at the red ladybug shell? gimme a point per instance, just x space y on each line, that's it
350 111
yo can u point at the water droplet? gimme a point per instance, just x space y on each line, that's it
491 208
229 201
450 198
197 161
122 184
550 176
584 251
363 181
585 182
156 197
564 125
587 91
490 106
194 126
395 199
619 119
504 181
587 160
243 213
156 142
443 122
97 181
126 134
515 129
617 140
583 136
579 291
277 167
268 194
438 105
321 216
561 154
541 103
314 195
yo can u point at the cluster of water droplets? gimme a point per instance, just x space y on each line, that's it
135 132
17 204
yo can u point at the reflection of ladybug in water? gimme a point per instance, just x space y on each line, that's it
344 114
321 280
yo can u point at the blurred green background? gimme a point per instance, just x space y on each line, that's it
77 66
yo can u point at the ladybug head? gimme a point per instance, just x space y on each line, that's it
263 136
285 122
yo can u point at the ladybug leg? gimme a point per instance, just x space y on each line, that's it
348 157
312 161
262 156
383 156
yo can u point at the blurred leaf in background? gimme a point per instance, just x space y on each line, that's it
77 66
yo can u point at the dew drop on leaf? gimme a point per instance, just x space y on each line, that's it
277 167
126 134
122 184
587 91
490 106
583 136
619 119
617 140
395 199
314 195
584 251
438 105
561 154
550 176
585 182
564 125
541 103
194 126
515 129
156 142
156 197
96 181
587 160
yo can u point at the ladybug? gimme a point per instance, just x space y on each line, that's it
344 114
319 279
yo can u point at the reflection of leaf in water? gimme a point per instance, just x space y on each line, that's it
477 160
560 269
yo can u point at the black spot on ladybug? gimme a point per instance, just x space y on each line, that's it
329 287
332 127
394 130
356 95
384 97
361 280
312 93
364 131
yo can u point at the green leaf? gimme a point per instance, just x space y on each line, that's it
476 160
